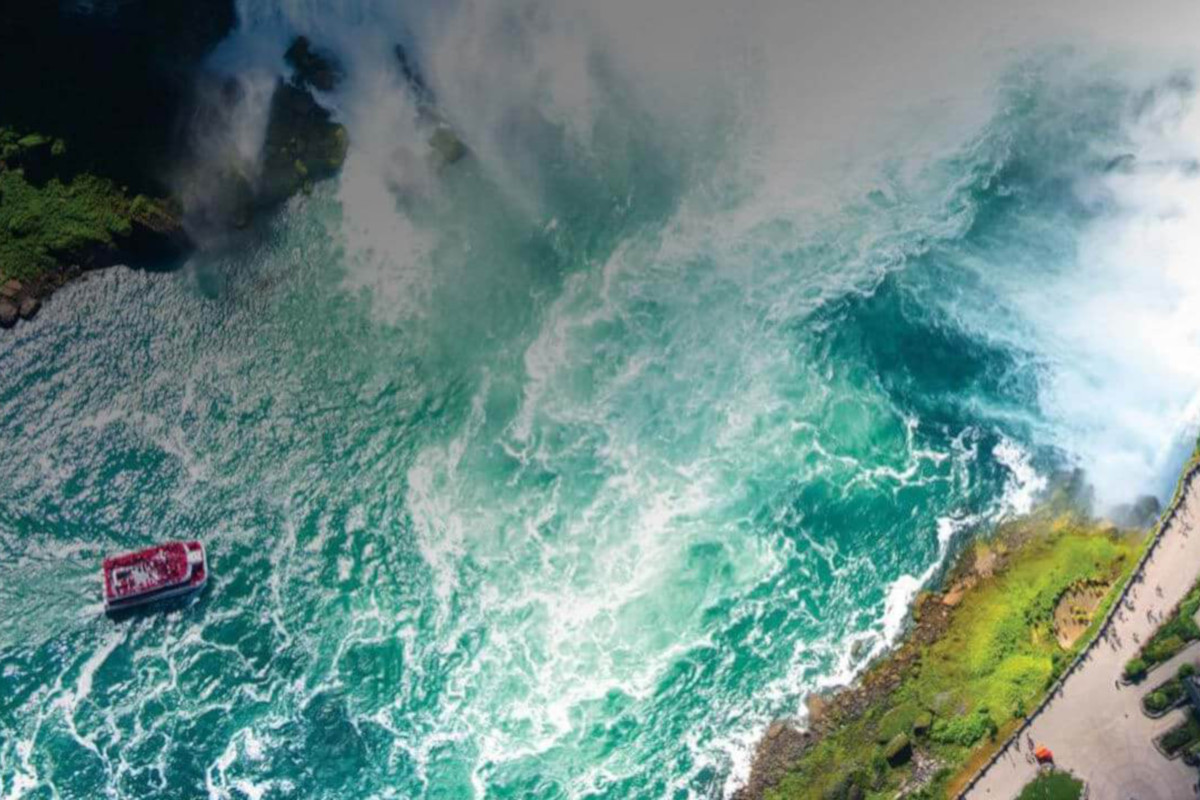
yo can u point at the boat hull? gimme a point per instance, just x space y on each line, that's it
158 573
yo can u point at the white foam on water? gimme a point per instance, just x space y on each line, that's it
853 653
1025 484
572 552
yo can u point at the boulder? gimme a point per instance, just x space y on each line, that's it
898 751
313 67
29 307
900 719
10 289
8 314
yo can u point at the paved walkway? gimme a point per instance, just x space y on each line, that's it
1094 726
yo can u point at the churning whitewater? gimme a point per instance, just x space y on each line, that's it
560 473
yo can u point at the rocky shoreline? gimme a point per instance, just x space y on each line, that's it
784 743
842 754
213 191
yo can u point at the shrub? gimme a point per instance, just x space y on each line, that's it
1156 701
1186 670
1162 649
963 731
1135 670
1180 736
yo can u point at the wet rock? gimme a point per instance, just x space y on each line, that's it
157 233
29 307
415 80
303 144
313 67
10 289
779 749
8 314
818 708
447 147
1140 514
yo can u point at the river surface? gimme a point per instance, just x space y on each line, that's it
560 472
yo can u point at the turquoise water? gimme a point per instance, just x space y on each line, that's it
561 473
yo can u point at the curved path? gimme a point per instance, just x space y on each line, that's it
1094 725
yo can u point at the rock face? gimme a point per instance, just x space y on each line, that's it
776 752
313 67
29 307
110 77
446 146
1139 514
303 144
415 80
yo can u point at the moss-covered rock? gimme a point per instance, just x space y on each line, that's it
898 751
901 719
303 144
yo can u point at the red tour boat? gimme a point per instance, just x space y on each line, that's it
156 573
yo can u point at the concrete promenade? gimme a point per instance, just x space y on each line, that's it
1094 724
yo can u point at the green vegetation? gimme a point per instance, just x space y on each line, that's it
1166 695
993 662
1182 737
1053 785
44 221
1171 637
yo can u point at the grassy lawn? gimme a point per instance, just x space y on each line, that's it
971 687
1052 786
